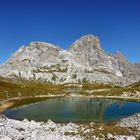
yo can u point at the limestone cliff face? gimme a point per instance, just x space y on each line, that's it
137 65
84 61
130 72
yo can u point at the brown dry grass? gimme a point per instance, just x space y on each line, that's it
14 88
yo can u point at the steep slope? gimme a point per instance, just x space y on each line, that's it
84 62
94 64
28 59
137 65
88 52
130 72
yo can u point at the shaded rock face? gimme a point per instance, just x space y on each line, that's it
137 65
130 72
84 61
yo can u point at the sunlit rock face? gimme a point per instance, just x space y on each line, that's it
84 61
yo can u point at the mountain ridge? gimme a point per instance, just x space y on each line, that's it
84 61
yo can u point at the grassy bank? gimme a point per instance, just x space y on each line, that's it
14 88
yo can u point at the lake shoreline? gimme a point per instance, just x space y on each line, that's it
71 95
126 128
6 103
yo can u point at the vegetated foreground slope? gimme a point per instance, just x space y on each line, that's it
15 88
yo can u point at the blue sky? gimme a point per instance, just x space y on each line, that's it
115 22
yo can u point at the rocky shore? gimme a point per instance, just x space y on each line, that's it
125 129
132 121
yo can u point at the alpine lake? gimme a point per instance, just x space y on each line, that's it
73 109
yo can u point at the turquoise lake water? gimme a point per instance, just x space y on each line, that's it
75 110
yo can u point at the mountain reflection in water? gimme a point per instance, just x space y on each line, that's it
75 110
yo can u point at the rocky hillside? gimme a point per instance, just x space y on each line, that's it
84 62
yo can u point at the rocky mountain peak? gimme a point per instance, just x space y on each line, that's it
90 38
86 49
41 45
86 42
35 48
85 61
121 58
33 55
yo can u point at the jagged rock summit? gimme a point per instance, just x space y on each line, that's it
84 61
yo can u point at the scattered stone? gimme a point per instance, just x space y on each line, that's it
120 137
86 131
101 128
109 136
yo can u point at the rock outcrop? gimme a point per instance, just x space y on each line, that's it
84 61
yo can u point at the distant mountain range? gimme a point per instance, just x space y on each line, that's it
84 62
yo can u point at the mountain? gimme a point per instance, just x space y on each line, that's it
84 61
